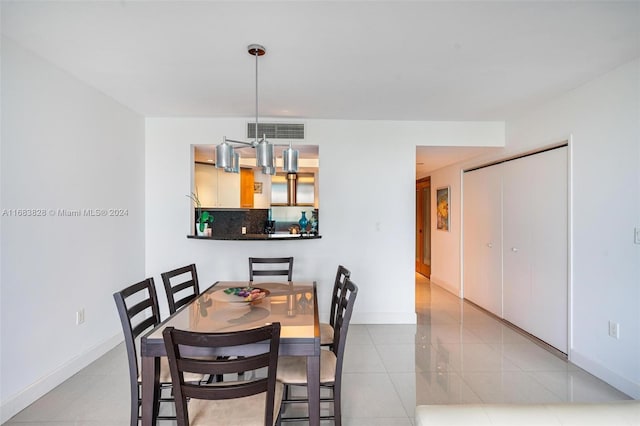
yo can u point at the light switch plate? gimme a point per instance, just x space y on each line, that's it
636 235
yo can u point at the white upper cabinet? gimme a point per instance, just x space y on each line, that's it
215 187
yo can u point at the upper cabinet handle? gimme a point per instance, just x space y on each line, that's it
489 245
514 249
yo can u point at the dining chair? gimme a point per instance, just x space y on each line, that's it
232 402
181 286
292 370
326 329
138 310
256 263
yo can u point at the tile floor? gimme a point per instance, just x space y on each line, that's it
455 354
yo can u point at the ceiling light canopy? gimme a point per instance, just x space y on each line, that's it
228 159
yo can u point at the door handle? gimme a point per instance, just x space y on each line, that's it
514 249
489 245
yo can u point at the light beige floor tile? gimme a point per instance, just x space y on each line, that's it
358 334
508 387
578 386
362 359
429 388
398 358
370 395
450 333
531 357
387 334
495 332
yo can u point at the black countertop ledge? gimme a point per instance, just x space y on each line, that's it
258 237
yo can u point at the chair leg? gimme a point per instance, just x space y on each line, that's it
337 408
135 412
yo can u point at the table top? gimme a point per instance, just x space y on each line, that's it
291 304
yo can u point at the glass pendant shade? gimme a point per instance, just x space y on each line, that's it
224 156
290 160
264 154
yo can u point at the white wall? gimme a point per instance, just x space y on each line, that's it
445 246
367 212
64 146
602 119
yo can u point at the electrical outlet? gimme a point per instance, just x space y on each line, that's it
614 330
80 316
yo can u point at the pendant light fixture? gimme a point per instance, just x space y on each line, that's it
229 160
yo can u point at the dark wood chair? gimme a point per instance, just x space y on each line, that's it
234 401
181 286
256 269
292 370
326 329
138 310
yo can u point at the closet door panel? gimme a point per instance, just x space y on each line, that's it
483 238
517 273
535 245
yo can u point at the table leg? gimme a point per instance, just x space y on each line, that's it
150 389
313 389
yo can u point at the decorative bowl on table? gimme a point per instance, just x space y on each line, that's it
240 294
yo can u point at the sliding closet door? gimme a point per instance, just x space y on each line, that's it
535 245
482 246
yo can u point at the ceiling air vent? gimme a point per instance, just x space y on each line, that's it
276 130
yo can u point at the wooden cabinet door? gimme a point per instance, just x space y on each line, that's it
482 245
246 188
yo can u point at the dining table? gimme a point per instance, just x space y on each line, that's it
241 305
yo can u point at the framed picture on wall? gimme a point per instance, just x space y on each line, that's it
442 208
257 187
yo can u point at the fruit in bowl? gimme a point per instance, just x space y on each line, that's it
248 294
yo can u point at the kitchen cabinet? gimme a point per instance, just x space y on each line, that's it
246 188
215 187
515 220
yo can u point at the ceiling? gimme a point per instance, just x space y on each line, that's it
369 60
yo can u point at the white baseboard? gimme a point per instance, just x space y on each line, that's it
621 383
445 285
18 402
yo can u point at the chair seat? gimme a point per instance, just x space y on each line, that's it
165 373
292 370
326 333
247 411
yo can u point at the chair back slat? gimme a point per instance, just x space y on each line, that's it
270 271
179 281
343 318
338 285
232 391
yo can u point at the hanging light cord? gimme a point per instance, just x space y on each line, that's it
256 55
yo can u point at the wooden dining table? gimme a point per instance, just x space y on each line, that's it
292 304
